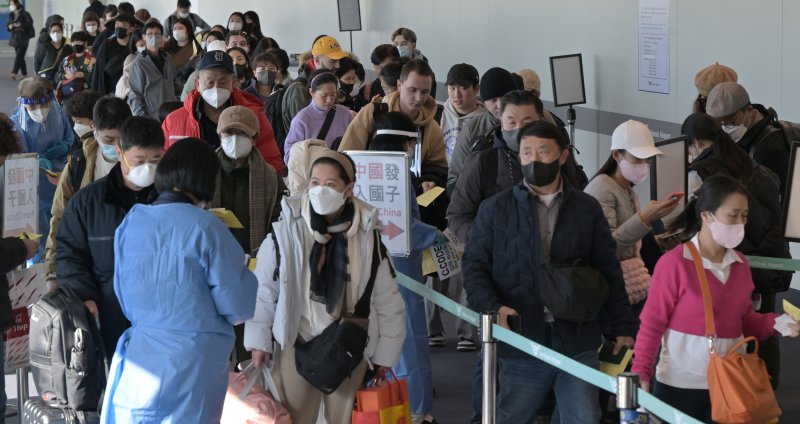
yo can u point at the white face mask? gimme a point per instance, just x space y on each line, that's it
153 40
91 29
216 97
12 8
55 36
236 146
234 26
325 200
183 14
39 115
142 175
179 35
141 48
735 131
82 129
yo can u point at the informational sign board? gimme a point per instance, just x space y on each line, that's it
568 85
25 287
654 46
349 15
791 202
382 180
21 195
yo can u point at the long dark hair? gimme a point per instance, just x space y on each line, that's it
610 167
734 158
711 195
253 29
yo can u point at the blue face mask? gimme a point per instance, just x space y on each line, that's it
109 151
404 51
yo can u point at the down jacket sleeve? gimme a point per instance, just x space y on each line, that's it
477 262
258 330
389 308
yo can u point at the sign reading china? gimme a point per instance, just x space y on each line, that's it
382 180
21 195
25 287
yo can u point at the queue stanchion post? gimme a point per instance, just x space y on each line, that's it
627 397
22 392
571 124
489 409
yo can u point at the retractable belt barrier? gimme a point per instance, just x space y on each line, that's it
585 373
778 264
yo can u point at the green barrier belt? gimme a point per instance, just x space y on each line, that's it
779 264
585 373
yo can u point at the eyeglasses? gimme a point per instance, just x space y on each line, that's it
402 44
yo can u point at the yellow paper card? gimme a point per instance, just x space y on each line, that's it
252 265
228 218
792 310
31 236
428 197
428 267
612 364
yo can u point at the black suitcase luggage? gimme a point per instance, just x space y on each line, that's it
39 411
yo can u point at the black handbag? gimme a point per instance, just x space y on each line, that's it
329 358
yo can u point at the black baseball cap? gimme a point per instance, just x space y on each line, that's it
217 59
463 74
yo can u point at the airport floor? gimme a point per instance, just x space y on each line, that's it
452 370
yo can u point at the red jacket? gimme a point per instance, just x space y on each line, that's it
182 123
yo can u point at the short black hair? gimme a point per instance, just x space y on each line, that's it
153 24
126 7
9 137
168 107
522 97
126 18
55 24
81 105
134 37
142 132
322 76
346 64
390 142
184 4
111 9
216 34
190 166
110 112
187 23
267 57
391 73
544 129
281 53
79 36
418 66
383 52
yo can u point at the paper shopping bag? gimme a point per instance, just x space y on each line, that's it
383 401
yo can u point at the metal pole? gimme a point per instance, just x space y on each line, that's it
627 398
22 392
489 369
571 124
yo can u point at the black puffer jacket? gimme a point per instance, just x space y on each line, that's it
13 253
763 235
21 35
85 247
499 268
765 143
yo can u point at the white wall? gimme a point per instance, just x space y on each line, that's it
752 37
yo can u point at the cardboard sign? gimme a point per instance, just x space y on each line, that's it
444 257
25 287
382 180
21 195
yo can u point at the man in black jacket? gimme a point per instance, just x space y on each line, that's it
111 55
85 239
543 219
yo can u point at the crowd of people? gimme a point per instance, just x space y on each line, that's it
141 125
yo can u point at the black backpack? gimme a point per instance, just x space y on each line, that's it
66 351
274 110
77 167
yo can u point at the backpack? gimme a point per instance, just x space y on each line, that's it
274 110
77 167
66 351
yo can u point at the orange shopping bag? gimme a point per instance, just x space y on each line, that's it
383 401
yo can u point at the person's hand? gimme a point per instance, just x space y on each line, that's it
658 209
795 327
52 285
645 385
53 179
92 307
260 357
376 98
622 342
17 24
31 247
503 314
427 185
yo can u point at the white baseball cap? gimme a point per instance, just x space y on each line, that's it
216 46
635 138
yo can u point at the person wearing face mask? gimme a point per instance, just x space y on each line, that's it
93 161
252 26
213 93
672 319
350 73
79 109
96 7
559 224
752 126
76 71
50 53
182 46
182 280
85 238
214 45
381 56
152 75
266 72
714 153
111 55
632 148
20 25
405 41
183 11
241 64
326 226
311 121
137 46
45 129
90 25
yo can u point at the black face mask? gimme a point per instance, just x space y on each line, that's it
540 174
346 88
121 33
241 71
79 48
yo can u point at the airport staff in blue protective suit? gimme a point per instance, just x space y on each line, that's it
45 129
396 132
181 280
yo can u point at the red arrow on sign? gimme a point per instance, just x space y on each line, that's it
392 231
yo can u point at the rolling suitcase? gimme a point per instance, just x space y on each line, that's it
39 411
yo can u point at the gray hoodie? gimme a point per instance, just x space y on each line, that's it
150 86
452 123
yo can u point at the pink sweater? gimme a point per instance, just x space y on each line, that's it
675 302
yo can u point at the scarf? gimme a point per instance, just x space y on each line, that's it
329 262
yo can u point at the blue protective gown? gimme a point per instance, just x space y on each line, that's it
51 140
415 358
181 280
